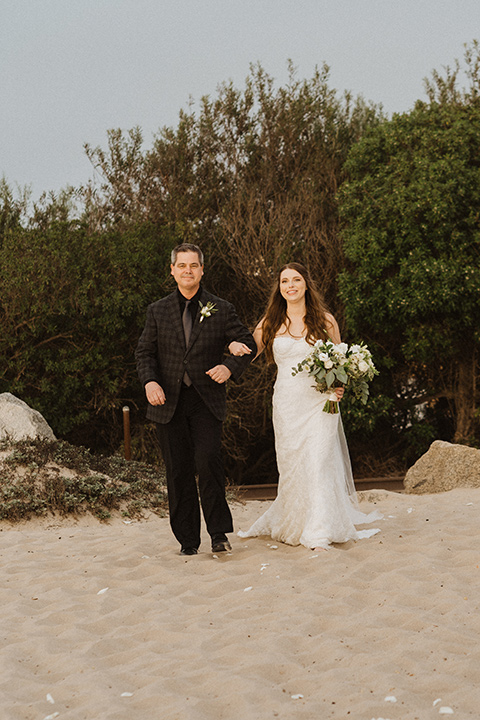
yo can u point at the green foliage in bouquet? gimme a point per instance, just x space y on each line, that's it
332 365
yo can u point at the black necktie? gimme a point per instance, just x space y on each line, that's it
187 329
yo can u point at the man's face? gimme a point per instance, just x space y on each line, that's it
187 272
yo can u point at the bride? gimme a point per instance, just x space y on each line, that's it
316 503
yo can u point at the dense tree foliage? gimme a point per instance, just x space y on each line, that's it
412 236
252 176
71 304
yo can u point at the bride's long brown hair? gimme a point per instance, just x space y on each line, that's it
276 313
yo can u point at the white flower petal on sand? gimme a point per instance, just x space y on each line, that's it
50 699
435 702
126 694
101 592
469 504
297 697
312 556
273 547
445 710
247 589
391 698
52 716
410 510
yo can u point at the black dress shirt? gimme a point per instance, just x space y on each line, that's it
194 304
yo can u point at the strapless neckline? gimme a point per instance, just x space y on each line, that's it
289 337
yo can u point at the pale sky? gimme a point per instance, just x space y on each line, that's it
72 69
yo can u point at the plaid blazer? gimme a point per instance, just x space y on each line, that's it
161 354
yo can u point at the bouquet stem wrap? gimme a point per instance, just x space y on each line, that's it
331 404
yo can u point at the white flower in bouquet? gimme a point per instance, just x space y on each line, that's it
339 353
335 365
361 370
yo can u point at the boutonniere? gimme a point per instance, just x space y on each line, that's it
207 310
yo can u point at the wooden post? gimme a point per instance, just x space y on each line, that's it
126 432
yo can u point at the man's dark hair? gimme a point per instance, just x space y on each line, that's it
186 247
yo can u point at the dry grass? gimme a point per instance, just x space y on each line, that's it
38 477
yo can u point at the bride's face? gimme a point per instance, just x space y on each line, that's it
292 285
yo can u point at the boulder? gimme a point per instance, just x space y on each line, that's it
19 422
444 467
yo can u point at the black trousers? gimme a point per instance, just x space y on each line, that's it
191 444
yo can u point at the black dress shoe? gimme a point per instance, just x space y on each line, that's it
220 546
188 551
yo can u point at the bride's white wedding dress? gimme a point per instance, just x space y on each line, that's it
316 502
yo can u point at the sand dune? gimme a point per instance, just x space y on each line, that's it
269 631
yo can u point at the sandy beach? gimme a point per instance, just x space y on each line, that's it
109 621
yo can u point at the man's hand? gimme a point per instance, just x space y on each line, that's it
154 393
219 373
239 349
339 391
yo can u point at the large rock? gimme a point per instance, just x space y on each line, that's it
19 422
444 467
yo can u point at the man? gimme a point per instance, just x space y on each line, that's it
181 363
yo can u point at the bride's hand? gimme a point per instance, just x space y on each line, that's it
339 392
239 349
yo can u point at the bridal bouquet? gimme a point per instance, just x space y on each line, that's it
334 365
